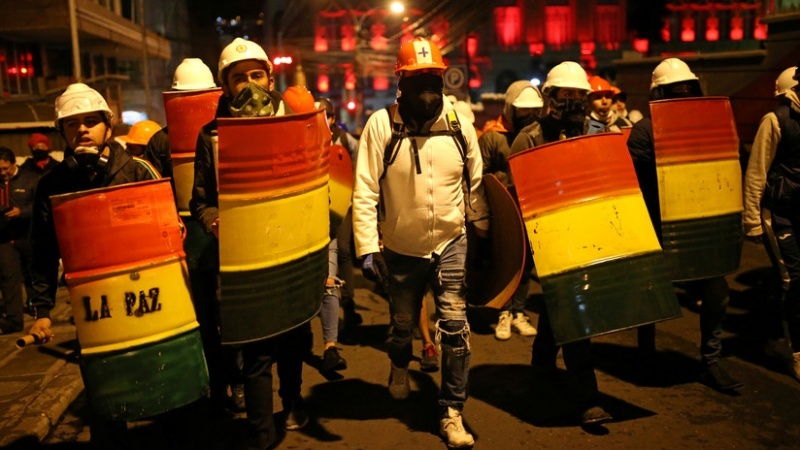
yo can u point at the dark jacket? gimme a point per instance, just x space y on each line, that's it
21 187
782 193
30 165
121 169
642 148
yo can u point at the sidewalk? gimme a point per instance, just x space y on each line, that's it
38 383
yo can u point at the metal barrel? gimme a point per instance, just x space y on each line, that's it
274 223
187 112
341 185
124 266
700 186
596 253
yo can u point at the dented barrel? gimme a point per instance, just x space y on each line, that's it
187 112
124 266
274 223
595 249
699 186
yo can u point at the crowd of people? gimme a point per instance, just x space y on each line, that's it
417 169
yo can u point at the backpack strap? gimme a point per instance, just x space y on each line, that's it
398 133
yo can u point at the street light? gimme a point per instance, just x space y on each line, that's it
359 17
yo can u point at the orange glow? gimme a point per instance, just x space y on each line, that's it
380 83
687 34
666 34
736 28
508 26
350 80
475 80
320 42
378 41
472 45
641 45
348 38
323 83
712 29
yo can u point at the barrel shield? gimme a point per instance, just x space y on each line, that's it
491 283
187 112
273 178
341 184
127 279
700 185
595 250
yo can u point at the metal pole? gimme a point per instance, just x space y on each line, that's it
76 46
145 64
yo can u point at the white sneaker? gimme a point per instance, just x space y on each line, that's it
453 431
503 330
794 366
398 383
522 326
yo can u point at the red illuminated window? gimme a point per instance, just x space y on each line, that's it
712 29
559 28
323 83
536 49
760 31
348 38
587 48
380 83
508 26
737 33
378 41
350 80
609 26
641 45
687 29
320 39
472 45
666 32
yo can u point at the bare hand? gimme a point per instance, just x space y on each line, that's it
41 329
12 213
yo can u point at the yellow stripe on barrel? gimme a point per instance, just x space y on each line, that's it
699 190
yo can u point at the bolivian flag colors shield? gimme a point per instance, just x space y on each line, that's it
596 253
341 185
122 249
187 112
699 186
274 223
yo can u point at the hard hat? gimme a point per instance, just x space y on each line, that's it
568 74
417 55
79 98
529 98
325 102
141 132
599 84
299 99
616 90
671 70
785 81
192 74
240 50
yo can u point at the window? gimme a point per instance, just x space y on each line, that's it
508 26
559 27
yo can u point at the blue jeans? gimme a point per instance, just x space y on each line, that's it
444 274
329 314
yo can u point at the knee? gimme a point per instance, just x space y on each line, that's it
454 335
402 326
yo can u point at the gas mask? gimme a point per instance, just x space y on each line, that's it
252 101
89 159
421 97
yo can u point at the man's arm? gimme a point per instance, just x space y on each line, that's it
366 193
477 210
204 203
765 146
44 263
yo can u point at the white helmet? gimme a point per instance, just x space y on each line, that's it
785 81
192 74
568 74
240 50
529 98
671 70
79 99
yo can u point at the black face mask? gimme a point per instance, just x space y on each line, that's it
520 122
421 98
39 155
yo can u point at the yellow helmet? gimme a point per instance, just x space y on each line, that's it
141 132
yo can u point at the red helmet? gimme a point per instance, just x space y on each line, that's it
299 99
600 85
418 54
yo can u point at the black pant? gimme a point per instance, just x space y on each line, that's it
287 350
577 359
781 232
11 280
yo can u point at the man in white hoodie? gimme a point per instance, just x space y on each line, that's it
771 200
418 181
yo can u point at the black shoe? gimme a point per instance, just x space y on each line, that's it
595 416
715 377
8 326
332 360
296 415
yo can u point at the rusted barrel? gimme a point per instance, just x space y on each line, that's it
596 253
700 186
124 266
187 112
274 223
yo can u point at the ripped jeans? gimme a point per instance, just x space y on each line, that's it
444 274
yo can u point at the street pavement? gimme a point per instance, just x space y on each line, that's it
655 404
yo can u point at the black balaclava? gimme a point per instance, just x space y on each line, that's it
420 101
565 115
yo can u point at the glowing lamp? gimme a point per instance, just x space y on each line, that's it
641 45
736 28
323 83
687 34
380 83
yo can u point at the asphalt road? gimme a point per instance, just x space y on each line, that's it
656 405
